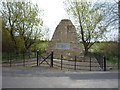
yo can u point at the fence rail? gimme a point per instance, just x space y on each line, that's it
75 64
23 59
90 63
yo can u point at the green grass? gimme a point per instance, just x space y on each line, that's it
15 57
113 60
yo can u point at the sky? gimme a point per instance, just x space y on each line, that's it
54 12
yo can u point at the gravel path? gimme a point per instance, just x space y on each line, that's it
44 77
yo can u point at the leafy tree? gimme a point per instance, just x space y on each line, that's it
88 20
110 48
46 33
23 22
8 22
7 44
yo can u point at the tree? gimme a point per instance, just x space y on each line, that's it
112 21
8 22
46 33
23 22
7 44
88 20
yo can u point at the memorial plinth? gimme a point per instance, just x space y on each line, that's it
64 41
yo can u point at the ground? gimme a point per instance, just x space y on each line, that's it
45 77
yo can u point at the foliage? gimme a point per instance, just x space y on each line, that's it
89 21
110 49
46 33
107 49
113 60
39 45
7 44
17 57
21 23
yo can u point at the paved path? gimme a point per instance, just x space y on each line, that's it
43 77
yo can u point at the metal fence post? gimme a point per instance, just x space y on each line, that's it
104 63
90 63
61 61
51 59
75 64
37 57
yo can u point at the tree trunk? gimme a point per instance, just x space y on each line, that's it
86 51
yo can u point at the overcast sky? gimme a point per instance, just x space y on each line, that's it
54 12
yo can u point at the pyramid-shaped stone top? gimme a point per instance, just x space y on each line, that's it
64 40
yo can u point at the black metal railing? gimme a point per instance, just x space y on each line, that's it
90 63
22 59
77 63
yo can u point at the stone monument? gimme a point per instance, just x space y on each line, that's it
64 41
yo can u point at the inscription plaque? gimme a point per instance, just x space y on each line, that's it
63 46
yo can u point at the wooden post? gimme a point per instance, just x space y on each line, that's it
75 64
61 61
51 59
37 57
104 63
90 63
